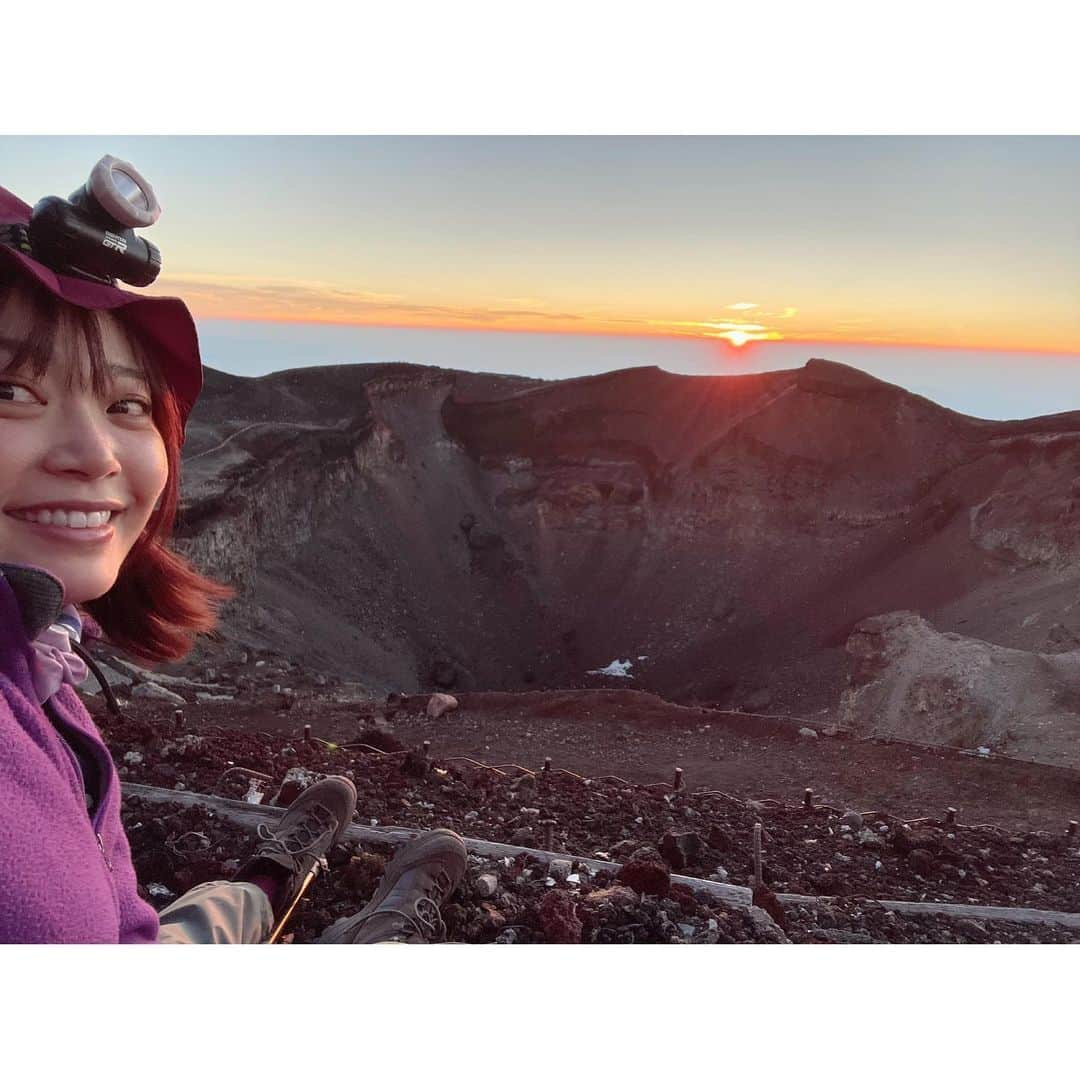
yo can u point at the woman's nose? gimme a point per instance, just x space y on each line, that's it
83 444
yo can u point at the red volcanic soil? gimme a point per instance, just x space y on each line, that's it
643 739
1009 847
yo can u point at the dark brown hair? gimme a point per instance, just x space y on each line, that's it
160 601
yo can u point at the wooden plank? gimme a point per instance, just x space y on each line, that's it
1070 919
249 815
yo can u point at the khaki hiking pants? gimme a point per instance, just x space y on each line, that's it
218 913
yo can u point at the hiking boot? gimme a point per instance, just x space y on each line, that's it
298 843
405 907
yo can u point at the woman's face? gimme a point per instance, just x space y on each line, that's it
62 446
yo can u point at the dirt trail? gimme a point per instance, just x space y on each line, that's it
643 738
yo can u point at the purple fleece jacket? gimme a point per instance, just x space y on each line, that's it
64 877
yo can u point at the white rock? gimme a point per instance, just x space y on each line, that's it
157 693
438 704
177 682
487 885
133 757
560 869
808 733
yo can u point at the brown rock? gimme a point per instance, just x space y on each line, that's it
363 873
681 849
765 898
619 895
559 920
720 839
492 919
647 878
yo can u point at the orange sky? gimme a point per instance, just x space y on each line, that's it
957 241
737 323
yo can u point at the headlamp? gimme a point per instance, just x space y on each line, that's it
91 233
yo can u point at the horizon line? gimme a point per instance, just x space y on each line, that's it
721 343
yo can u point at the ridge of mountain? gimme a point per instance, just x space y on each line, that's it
418 527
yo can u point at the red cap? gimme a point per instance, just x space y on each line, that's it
163 321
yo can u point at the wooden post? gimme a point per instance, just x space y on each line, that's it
950 815
808 799
757 855
178 718
677 783
1071 830
549 833
307 734
545 770
426 749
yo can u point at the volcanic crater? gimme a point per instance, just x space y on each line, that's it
416 528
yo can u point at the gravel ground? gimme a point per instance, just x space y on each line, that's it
652 831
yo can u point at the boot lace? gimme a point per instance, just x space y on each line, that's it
427 919
442 886
302 840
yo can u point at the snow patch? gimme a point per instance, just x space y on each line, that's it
618 669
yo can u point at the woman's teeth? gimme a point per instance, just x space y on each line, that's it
73 519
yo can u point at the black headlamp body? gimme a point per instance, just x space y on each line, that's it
77 237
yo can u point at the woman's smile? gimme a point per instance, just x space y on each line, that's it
89 531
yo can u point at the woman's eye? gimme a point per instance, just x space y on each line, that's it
9 391
142 403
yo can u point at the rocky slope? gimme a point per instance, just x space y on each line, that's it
911 682
414 527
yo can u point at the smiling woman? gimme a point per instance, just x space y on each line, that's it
83 466
95 388
90 425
